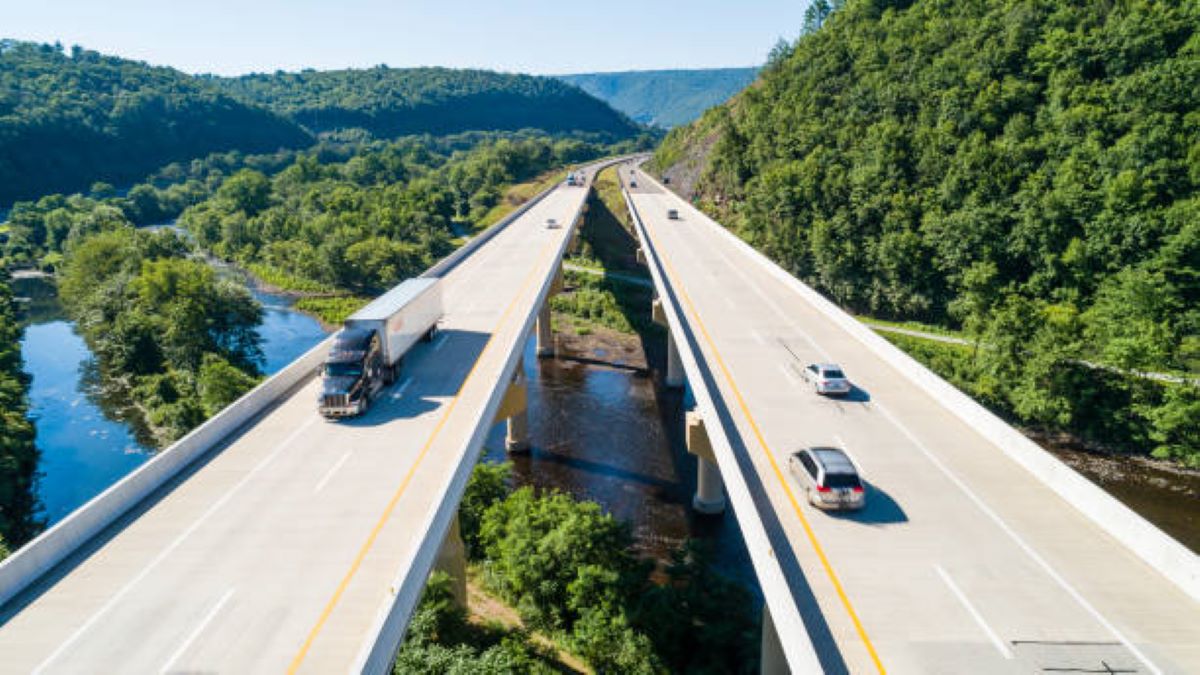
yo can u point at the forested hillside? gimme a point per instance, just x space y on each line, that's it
331 222
392 102
68 120
1026 170
664 98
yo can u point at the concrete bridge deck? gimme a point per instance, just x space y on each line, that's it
963 561
303 544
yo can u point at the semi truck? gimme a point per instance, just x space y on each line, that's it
367 351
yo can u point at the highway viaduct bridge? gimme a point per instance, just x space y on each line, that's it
268 540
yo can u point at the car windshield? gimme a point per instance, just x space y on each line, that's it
834 374
841 480
343 369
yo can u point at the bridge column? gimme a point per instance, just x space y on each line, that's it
710 497
675 375
772 661
514 408
452 559
545 333
576 236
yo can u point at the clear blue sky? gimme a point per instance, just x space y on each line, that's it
532 36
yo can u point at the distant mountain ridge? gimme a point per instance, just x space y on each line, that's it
389 102
71 118
664 98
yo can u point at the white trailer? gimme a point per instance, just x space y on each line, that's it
366 353
402 316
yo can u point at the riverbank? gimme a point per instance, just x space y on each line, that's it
88 436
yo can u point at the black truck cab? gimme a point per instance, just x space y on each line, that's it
354 371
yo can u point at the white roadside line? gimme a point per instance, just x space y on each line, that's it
761 295
212 614
853 458
787 372
175 543
396 395
1016 538
332 470
1001 646
758 337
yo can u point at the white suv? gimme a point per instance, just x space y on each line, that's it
829 478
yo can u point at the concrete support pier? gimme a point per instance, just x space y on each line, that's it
545 334
514 409
517 438
675 375
710 495
452 559
772 661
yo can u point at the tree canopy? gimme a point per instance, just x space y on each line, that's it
392 102
70 119
1024 169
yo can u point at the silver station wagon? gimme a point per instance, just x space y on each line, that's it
829 478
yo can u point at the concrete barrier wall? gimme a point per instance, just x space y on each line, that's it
801 655
378 653
448 263
53 546
1155 547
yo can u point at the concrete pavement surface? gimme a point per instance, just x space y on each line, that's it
962 561
282 549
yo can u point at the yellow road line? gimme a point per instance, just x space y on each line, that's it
387 512
812 537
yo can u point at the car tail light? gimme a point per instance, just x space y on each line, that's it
823 488
858 489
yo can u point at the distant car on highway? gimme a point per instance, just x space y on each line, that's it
827 378
672 214
633 183
552 224
830 480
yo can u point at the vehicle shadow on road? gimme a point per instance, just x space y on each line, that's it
417 385
857 395
880 509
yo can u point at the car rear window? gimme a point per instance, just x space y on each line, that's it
836 374
841 480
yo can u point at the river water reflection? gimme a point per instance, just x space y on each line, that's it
87 440
612 435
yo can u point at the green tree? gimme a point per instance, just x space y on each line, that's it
220 383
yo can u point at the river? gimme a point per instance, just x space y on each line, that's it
87 440
598 430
